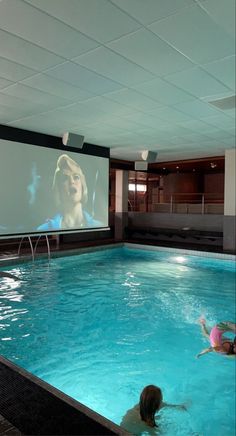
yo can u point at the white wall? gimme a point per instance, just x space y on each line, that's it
230 182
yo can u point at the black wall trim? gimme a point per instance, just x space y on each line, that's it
36 408
43 140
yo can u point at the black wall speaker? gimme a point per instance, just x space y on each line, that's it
149 156
73 140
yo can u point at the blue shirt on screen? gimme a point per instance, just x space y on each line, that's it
55 223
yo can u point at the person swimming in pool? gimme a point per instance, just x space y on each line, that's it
219 343
141 418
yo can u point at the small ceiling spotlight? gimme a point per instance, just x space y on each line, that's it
177 167
213 165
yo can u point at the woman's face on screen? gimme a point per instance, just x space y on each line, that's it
71 186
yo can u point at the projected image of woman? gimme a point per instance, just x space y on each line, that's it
70 190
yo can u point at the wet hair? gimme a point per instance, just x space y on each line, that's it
66 163
149 403
232 345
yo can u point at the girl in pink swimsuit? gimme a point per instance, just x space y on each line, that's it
218 342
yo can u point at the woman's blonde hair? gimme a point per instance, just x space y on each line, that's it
66 163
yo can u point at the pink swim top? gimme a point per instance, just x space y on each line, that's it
216 337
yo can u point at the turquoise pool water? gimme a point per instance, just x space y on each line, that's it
100 326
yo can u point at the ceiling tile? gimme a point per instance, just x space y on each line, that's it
197 82
27 93
25 53
42 122
80 114
221 121
151 10
106 105
124 123
56 36
22 107
56 87
181 140
4 83
170 114
146 120
229 142
133 99
163 92
100 20
231 113
220 135
13 71
193 152
103 129
197 109
109 64
223 13
83 78
223 70
196 137
147 50
197 125
195 34
9 113
175 130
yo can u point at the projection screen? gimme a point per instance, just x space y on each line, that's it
44 190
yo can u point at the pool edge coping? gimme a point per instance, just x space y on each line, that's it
9 260
207 254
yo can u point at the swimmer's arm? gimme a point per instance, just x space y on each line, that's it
204 328
177 406
207 350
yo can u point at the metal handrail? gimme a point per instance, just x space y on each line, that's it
31 246
33 249
48 246
209 195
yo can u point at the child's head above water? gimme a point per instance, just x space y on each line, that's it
150 402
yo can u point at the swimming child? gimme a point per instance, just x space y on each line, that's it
219 343
141 418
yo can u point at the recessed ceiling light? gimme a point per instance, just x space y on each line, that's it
177 168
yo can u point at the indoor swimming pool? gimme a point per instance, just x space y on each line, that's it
101 325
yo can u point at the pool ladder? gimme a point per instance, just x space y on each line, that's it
34 248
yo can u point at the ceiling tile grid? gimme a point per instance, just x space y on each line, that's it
114 66
100 20
29 55
206 40
45 83
55 37
127 74
149 51
151 10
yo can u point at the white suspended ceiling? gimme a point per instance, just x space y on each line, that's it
131 75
